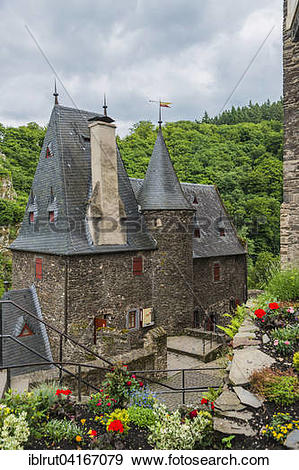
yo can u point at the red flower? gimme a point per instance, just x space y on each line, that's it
109 404
133 376
66 392
129 382
193 414
101 390
99 404
204 401
116 425
141 384
58 392
124 365
259 313
212 406
273 306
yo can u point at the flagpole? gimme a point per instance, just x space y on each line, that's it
160 115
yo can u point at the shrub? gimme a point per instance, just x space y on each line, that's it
170 432
101 403
212 393
284 285
290 333
119 384
296 361
15 432
281 424
142 417
277 386
58 430
118 421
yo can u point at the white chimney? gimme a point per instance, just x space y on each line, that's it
104 208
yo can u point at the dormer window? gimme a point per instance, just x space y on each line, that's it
49 152
222 232
31 217
197 232
195 200
51 217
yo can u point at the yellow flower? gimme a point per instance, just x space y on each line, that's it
274 433
97 418
78 438
83 421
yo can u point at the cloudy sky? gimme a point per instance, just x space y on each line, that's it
189 52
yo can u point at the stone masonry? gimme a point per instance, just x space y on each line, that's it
289 222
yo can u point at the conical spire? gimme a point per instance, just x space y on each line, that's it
161 188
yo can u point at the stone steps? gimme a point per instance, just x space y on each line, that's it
193 347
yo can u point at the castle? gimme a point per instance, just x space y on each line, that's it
289 221
107 251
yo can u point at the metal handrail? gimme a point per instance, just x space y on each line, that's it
62 335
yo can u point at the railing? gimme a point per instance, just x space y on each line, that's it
170 389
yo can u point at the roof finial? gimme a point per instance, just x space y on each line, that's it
55 93
160 115
105 105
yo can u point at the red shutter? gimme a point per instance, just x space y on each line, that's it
31 217
51 216
216 272
38 268
137 265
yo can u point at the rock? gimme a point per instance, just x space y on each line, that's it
227 426
247 398
245 362
244 334
244 341
265 339
242 415
228 401
292 441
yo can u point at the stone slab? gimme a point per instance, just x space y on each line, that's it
242 415
266 339
237 342
245 334
228 401
247 398
245 362
292 441
227 426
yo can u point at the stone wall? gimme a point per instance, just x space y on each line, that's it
50 289
214 296
289 222
172 268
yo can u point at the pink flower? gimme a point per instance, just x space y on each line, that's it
287 342
99 404
290 310
275 342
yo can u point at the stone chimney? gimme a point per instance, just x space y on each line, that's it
105 209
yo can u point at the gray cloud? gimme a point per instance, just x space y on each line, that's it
191 52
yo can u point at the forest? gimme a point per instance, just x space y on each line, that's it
240 151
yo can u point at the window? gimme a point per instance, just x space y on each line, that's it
48 153
51 216
38 268
26 331
195 201
31 217
216 272
137 265
197 232
132 319
222 232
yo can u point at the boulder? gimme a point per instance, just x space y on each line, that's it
242 415
266 339
227 426
247 398
228 401
245 362
292 441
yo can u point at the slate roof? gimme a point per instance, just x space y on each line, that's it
161 188
12 323
210 215
67 175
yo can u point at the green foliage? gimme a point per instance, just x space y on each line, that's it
142 417
101 403
212 394
296 361
14 432
265 267
280 426
227 441
171 432
59 429
280 387
119 384
237 319
289 333
284 285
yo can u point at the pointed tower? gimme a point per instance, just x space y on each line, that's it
169 216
